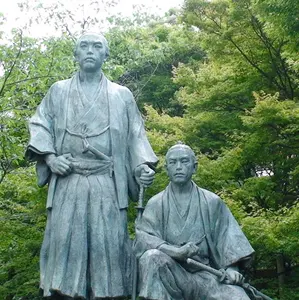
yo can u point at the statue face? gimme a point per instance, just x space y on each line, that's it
180 166
90 52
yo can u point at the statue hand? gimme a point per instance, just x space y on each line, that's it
188 250
234 277
144 175
59 164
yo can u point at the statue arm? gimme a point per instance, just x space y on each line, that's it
231 245
41 145
180 252
170 250
149 228
41 130
149 233
140 150
188 250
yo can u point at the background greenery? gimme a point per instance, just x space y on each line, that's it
221 76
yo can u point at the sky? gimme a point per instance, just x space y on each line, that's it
15 17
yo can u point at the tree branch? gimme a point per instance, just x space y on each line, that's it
278 62
152 74
16 108
14 63
255 65
28 79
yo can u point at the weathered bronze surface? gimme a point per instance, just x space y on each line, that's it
88 139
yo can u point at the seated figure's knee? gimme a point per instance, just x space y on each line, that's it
154 257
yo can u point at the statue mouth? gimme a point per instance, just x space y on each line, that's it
90 59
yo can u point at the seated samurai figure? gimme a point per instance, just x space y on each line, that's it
185 221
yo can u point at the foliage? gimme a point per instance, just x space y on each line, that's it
29 67
242 117
234 29
272 144
224 80
142 58
22 219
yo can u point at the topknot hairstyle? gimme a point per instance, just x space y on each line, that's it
181 145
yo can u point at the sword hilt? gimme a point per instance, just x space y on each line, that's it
223 275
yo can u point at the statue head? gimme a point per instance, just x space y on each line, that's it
91 51
181 163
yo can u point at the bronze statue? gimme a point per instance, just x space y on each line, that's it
89 142
185 224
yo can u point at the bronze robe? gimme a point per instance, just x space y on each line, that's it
86 250
206 220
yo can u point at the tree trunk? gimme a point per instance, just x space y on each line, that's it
280 273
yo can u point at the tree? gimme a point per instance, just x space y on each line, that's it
225 81
242 107
22 220
142 58
29 67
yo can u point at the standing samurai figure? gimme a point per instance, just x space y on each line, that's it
88 139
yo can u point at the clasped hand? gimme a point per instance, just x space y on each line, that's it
233 276
144 175
187 251
60 165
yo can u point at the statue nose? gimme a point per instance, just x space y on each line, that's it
179 165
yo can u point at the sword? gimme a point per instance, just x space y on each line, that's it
140 207
222 275
140 210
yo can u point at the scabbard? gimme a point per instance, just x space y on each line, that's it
51 190
140 209
221 274
204 267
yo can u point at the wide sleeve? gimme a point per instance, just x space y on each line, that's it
149 230
42 137
41 130
140 150
231 244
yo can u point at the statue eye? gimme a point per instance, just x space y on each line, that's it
185 161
